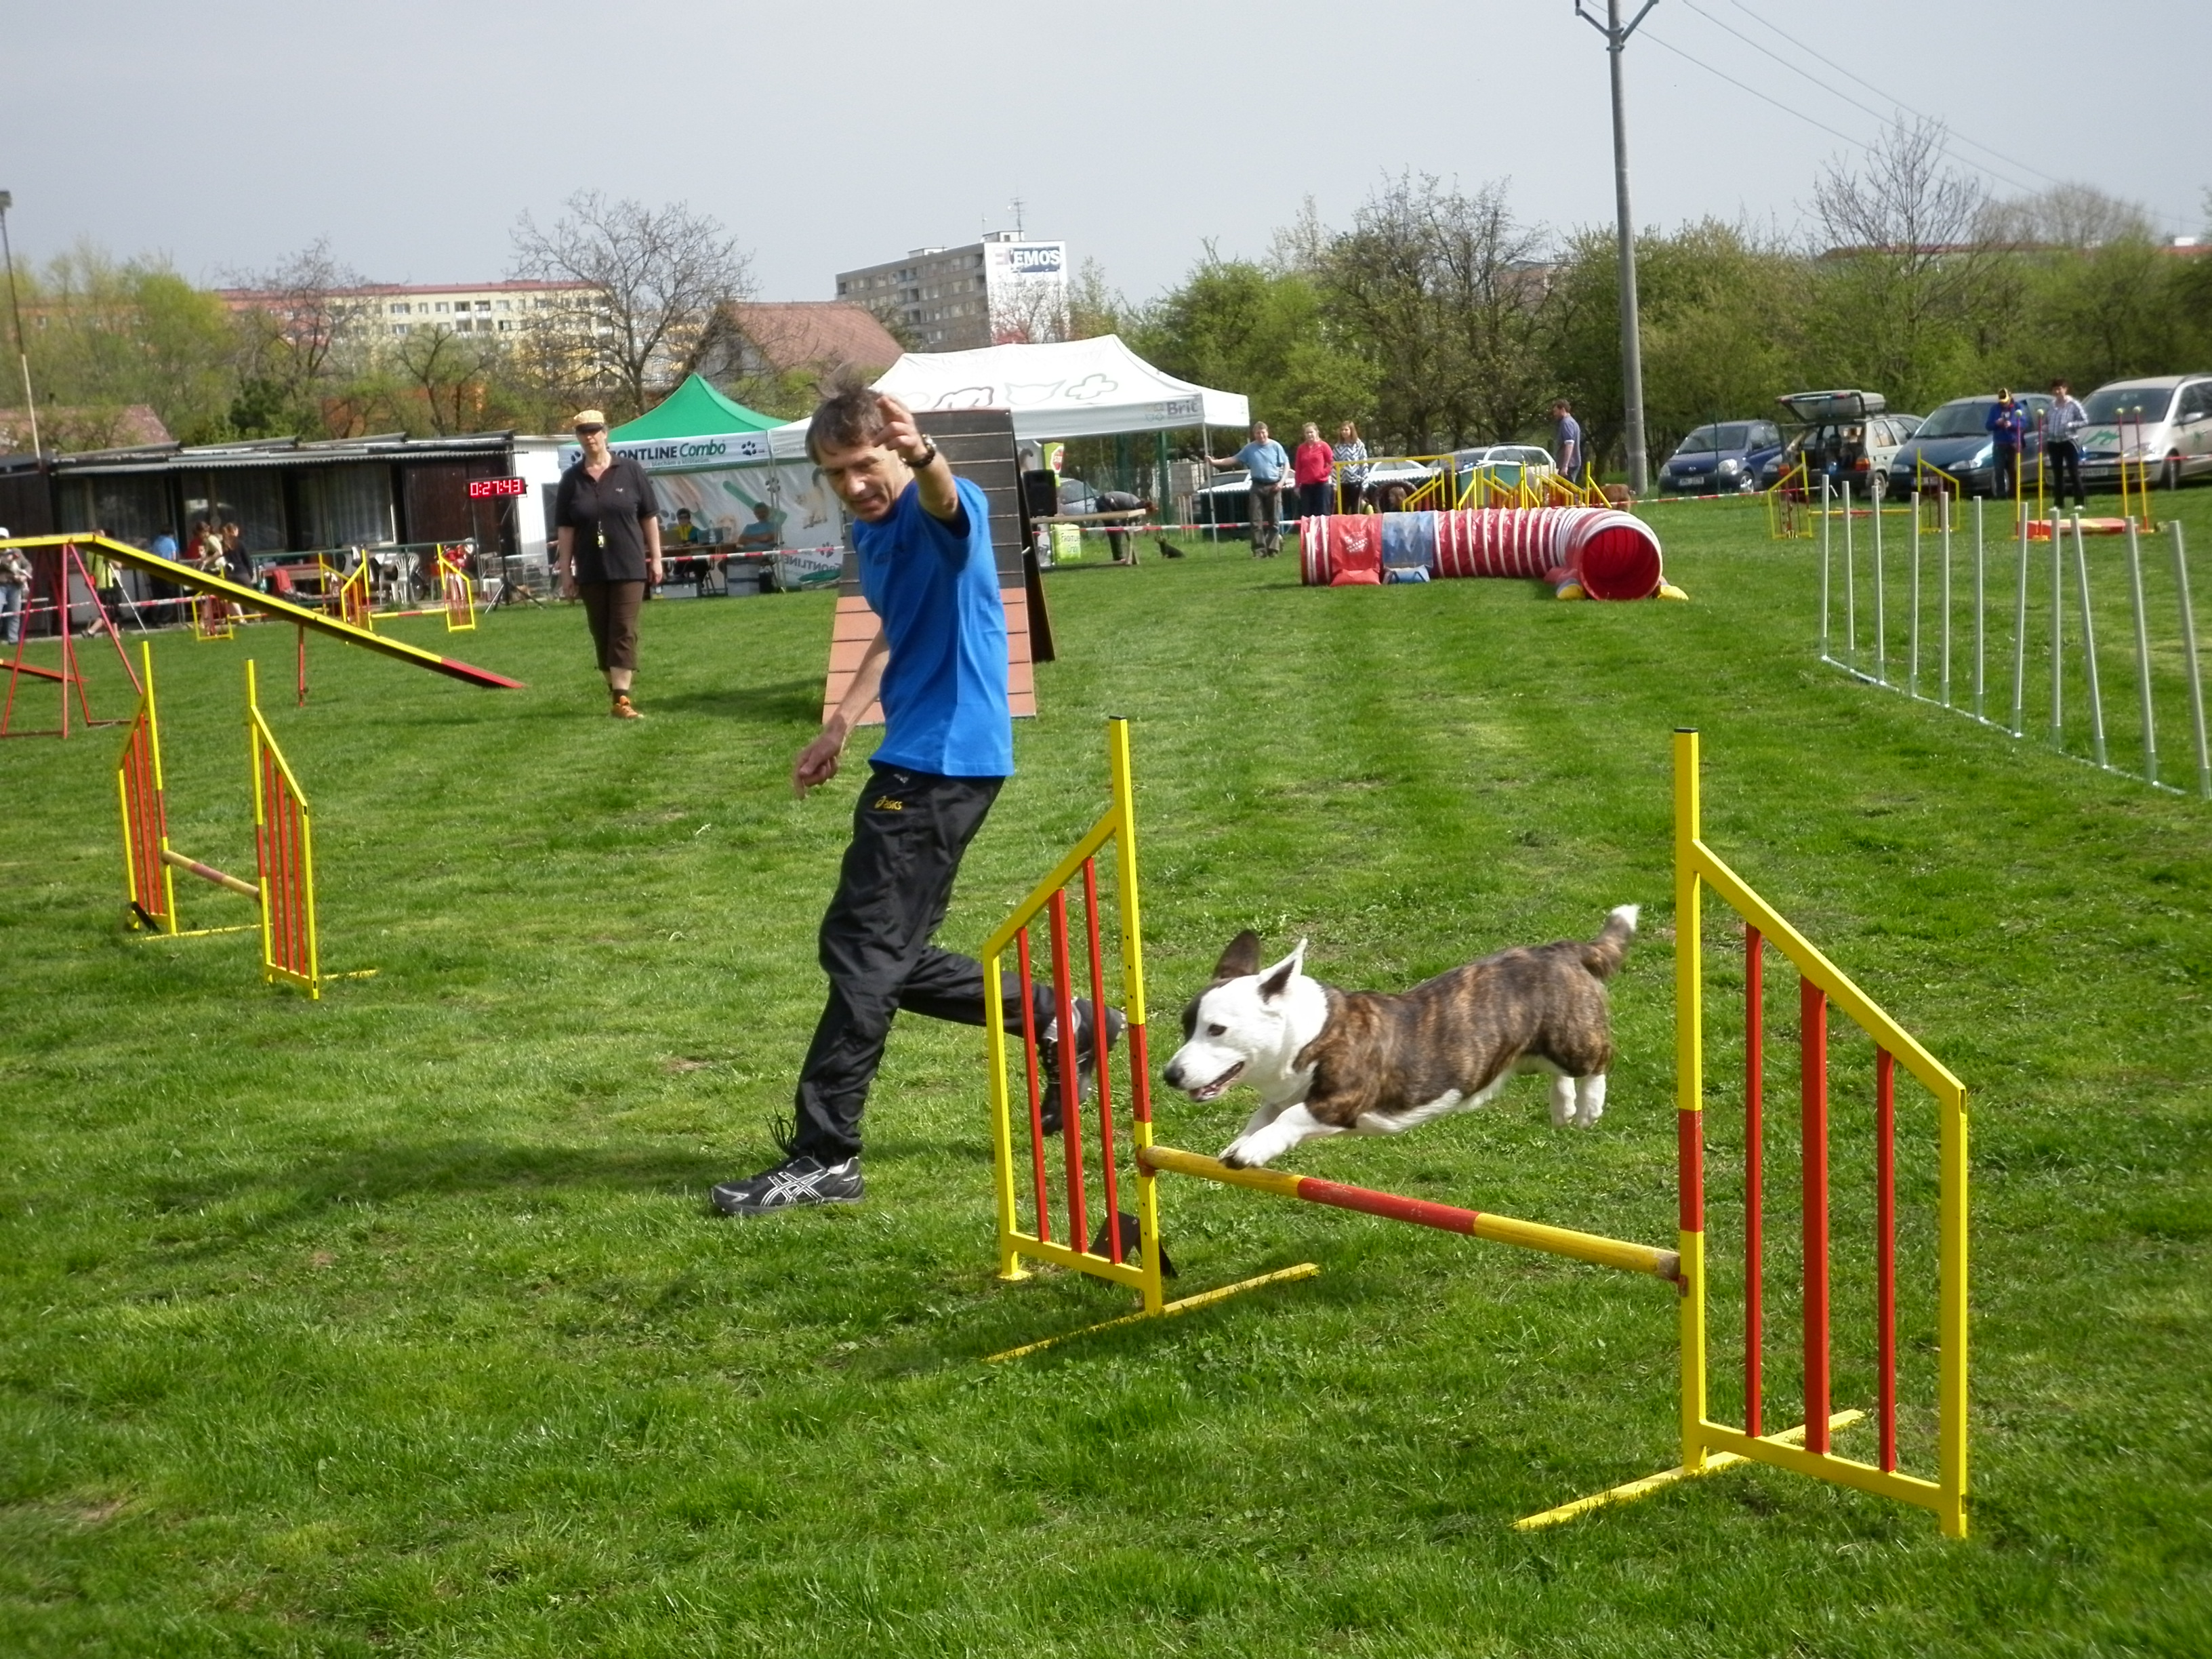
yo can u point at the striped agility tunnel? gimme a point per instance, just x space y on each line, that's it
1584 552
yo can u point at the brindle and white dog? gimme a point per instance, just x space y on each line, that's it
1330 1062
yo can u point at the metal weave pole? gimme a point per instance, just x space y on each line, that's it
2020 637
1943 507
1981 615
2057 629
1880 610
1826 537
1851 581
2088 644
1912 658
2189 664
2142 655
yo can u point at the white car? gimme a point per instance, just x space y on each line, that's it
2164 421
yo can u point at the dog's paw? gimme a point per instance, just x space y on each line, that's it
1240 1155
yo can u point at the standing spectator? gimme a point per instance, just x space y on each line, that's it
161 593
608 535
235 559
1352 468
1263 458
1120 542
2007 425
1311 468
2062 450
921 540
15 589
1566 440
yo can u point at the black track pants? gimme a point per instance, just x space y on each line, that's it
909 831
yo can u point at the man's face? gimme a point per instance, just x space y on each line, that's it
1259 432
867 478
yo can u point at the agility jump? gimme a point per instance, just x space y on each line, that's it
284 843
221 588
1126 1248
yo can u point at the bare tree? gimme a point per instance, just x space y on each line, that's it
2066 216
1915 286
449 371
1445 291
303 320
646 280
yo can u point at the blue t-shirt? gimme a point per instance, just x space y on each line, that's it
1263 458
935 587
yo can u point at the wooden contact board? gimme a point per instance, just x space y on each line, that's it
979 446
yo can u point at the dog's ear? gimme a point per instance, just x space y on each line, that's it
1241 957
1280 976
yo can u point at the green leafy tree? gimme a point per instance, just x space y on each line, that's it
1242 326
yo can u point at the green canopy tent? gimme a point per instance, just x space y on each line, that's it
693 410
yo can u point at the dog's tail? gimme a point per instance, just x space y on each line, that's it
1603 955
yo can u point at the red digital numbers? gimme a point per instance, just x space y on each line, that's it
485 488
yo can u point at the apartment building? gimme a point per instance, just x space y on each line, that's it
391 311
1007 288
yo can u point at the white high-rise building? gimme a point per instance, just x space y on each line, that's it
1006 290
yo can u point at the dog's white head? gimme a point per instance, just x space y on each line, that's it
1240 1023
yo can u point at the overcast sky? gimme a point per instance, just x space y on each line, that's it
225 134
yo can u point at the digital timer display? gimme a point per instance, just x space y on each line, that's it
481 490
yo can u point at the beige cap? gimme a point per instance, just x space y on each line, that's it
590 417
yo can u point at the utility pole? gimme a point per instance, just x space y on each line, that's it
1631 348
22 354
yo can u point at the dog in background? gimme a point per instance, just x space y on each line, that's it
1331 1062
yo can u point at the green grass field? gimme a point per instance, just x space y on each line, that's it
399 1324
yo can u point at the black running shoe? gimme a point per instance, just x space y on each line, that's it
1050 1108
794 1184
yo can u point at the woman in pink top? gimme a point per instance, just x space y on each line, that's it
1312 465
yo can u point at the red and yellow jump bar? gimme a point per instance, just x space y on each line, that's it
186 575
1444 1218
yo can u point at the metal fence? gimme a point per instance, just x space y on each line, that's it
2010 630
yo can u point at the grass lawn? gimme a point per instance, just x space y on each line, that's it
397 1324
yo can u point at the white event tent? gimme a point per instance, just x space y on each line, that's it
1093 388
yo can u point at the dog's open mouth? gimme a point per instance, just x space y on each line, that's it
1219 1086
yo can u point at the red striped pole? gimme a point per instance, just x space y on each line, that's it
1813 1005
1071 1103
1885 1222
1105 1080
1036 1106
1754 1223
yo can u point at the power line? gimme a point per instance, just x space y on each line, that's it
1899 103
1700 63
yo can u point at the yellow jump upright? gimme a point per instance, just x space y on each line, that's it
1708 1445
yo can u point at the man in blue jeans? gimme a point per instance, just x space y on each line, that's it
938 663
2007 425
1267 463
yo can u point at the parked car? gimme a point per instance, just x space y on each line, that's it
1847 436
1956 437
2165 421
1724 456
1507 464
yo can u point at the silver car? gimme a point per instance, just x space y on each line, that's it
2163 421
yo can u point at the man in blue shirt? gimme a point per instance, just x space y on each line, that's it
1566 440
938 664
2006 424
1268 464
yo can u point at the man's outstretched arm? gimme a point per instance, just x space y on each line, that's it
818 762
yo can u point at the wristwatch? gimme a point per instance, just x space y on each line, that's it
926 457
